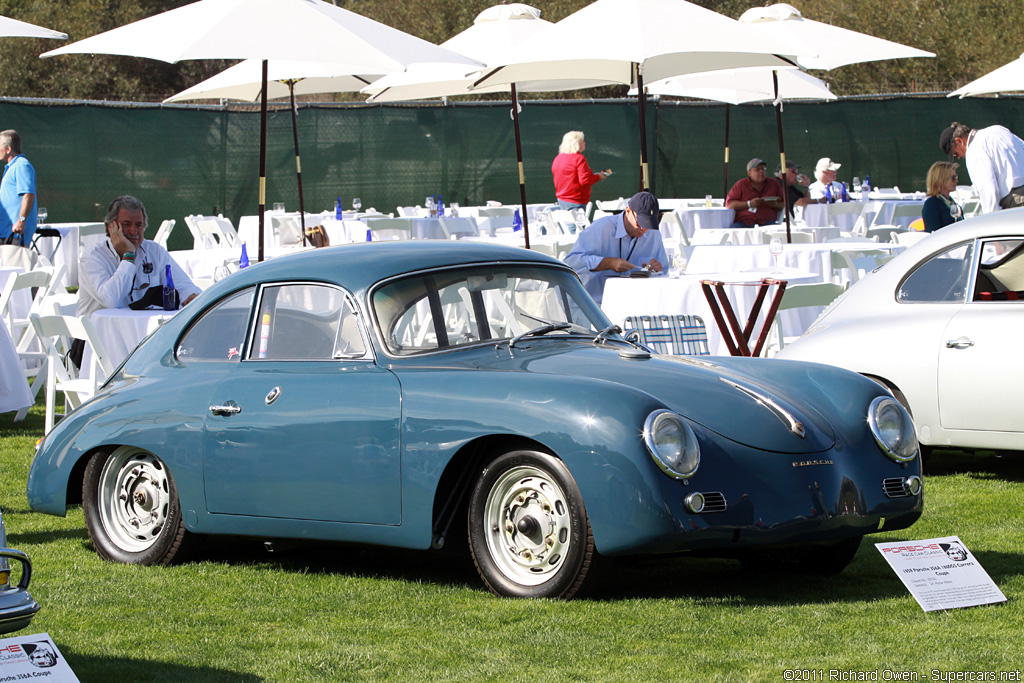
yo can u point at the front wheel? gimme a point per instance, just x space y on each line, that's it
131 508
528 529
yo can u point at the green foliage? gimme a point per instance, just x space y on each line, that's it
968 38
332 612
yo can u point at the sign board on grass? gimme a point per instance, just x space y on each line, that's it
35 658
941 573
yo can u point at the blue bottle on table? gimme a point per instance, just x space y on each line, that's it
170 294
846 196
828 194
243 262
338 211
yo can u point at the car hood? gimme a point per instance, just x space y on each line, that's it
734 404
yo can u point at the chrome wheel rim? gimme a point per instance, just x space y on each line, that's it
529 531
134 499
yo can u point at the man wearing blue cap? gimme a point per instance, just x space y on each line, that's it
615 244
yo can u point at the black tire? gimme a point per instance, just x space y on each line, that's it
132 510
528 529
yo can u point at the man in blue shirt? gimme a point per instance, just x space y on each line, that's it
17 190
614 244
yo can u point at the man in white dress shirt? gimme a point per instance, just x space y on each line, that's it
825 176
995 162
123 268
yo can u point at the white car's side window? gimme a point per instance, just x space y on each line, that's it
1001 271
942 278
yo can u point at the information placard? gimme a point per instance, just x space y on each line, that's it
941 573
35 658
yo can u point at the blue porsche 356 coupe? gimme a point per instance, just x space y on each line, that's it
395 393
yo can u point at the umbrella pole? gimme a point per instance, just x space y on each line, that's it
725 186
782 155
645 183
519 158
263 159
298 164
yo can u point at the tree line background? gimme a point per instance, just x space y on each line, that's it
969 39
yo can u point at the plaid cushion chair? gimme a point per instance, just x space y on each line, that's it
675 335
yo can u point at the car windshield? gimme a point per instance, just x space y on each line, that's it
457 307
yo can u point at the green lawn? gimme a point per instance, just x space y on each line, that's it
346 613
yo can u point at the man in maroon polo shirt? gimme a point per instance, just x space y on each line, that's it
756 199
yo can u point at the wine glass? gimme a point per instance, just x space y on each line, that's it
775 249
41 214
675 267
357 203
220 272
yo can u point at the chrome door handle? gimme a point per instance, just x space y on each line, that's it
961 343
226 410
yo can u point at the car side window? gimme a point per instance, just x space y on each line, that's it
219 334
1000 271
306 321
942 278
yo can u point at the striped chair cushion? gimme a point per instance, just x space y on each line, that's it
675 335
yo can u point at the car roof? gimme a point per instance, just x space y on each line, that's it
359 265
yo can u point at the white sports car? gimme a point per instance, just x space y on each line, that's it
942 326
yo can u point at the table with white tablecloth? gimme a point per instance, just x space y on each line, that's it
825 215
14 389
70 248
626 296
120 330
696 219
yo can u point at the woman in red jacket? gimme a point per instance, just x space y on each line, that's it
571 173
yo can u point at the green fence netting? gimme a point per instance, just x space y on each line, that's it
204 159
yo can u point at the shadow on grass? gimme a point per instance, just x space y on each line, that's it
96 668
43 537
1003 465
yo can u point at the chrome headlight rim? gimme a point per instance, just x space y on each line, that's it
879 404
653 428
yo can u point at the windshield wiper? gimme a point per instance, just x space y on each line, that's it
539 331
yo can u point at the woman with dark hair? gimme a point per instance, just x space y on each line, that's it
572 174
940 209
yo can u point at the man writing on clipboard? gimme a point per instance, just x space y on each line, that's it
756 199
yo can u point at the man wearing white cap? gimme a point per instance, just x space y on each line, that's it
825 175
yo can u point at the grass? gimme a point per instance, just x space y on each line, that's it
330 612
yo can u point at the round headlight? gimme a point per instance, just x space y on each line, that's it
672 443
893 428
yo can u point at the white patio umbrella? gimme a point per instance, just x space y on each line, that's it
1007 78
632 41
22 29
286 78
495 34
742 86
823 46
307 30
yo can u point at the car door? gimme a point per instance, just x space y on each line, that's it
307 425
979 372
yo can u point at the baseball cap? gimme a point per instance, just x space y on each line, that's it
754 163
789 164
946 142
645 206
826 164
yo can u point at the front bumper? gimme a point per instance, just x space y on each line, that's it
17 607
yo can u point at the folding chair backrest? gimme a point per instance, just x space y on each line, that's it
287 229
197 237
90 234
795 236
384 229
229 232
164 232
676 335
801 296
458 227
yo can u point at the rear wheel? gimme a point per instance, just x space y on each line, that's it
528 530
132 510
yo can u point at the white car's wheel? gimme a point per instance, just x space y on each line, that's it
528 529
131 508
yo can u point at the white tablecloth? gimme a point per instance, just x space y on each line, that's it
14 391
625 296
696 219
755 235
21 301
120 330
815 258
823 215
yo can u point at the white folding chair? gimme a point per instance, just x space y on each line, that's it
818 294
209 235
796 236
163 232
384 229
228 230
56 332
457 228
904 214
850 265
90 234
